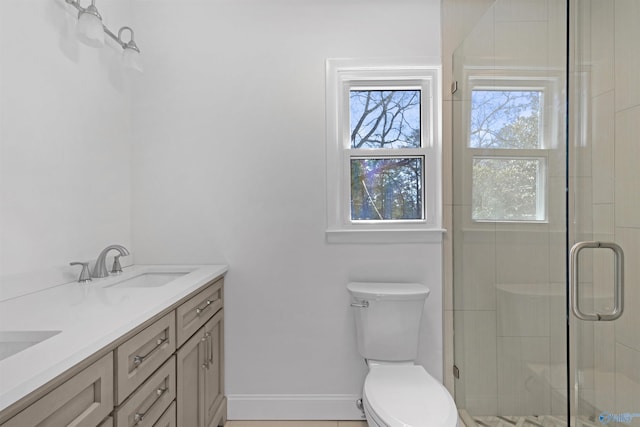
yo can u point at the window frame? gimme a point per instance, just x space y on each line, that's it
548 83
344 75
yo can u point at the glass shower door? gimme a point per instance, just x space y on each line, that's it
525 193
604 214
509 217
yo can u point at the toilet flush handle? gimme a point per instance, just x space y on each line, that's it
360 304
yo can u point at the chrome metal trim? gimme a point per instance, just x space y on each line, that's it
138 359
618 295
85 275
100 269
139 416
201 309
91 9
360 304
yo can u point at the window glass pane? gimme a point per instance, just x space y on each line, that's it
507 189
505 119
386 189
384 118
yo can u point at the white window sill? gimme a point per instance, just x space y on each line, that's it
432 235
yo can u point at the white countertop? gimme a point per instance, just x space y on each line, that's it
89 316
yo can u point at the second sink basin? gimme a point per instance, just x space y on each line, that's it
148 280
12 342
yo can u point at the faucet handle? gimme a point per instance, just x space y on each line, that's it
116 268
85 275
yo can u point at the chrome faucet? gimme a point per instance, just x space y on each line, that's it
100 269
85 275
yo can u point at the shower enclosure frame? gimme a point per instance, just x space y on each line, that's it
551 368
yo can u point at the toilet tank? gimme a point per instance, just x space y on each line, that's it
388 319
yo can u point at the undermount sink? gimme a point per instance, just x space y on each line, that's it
12 342
148 280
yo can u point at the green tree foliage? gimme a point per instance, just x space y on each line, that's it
504 188
505 119
386 188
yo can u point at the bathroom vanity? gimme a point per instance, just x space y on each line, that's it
142 348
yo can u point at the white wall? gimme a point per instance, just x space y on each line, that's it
229 166
64 141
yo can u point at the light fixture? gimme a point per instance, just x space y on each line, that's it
131 57
91 31
90 28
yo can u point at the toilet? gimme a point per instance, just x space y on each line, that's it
397 392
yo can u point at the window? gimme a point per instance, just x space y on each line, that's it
510 133
508 189
383 156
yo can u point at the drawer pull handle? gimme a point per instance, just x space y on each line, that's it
139 416
200 310
210 349
205 340
137 360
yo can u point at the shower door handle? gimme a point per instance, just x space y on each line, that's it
618 290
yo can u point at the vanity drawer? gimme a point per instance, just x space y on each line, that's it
83 400
150 401
141 355
195 312
107 423
168 419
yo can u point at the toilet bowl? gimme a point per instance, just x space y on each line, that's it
402 396
397 392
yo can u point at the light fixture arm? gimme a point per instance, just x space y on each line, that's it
113 36
131 44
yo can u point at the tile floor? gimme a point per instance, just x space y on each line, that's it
527 421
508 421
295 424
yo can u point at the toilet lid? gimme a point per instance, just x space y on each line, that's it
407 396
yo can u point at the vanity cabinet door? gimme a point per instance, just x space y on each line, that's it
200 398
214 406
190 385
83 400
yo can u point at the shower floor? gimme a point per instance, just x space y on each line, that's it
524 421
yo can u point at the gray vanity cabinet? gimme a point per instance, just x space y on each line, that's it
200 397
168 419
166 373
149 402
190 360
84 400
215 402
141 355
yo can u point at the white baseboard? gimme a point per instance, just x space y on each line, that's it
293 407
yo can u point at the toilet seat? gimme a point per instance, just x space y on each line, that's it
407 396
